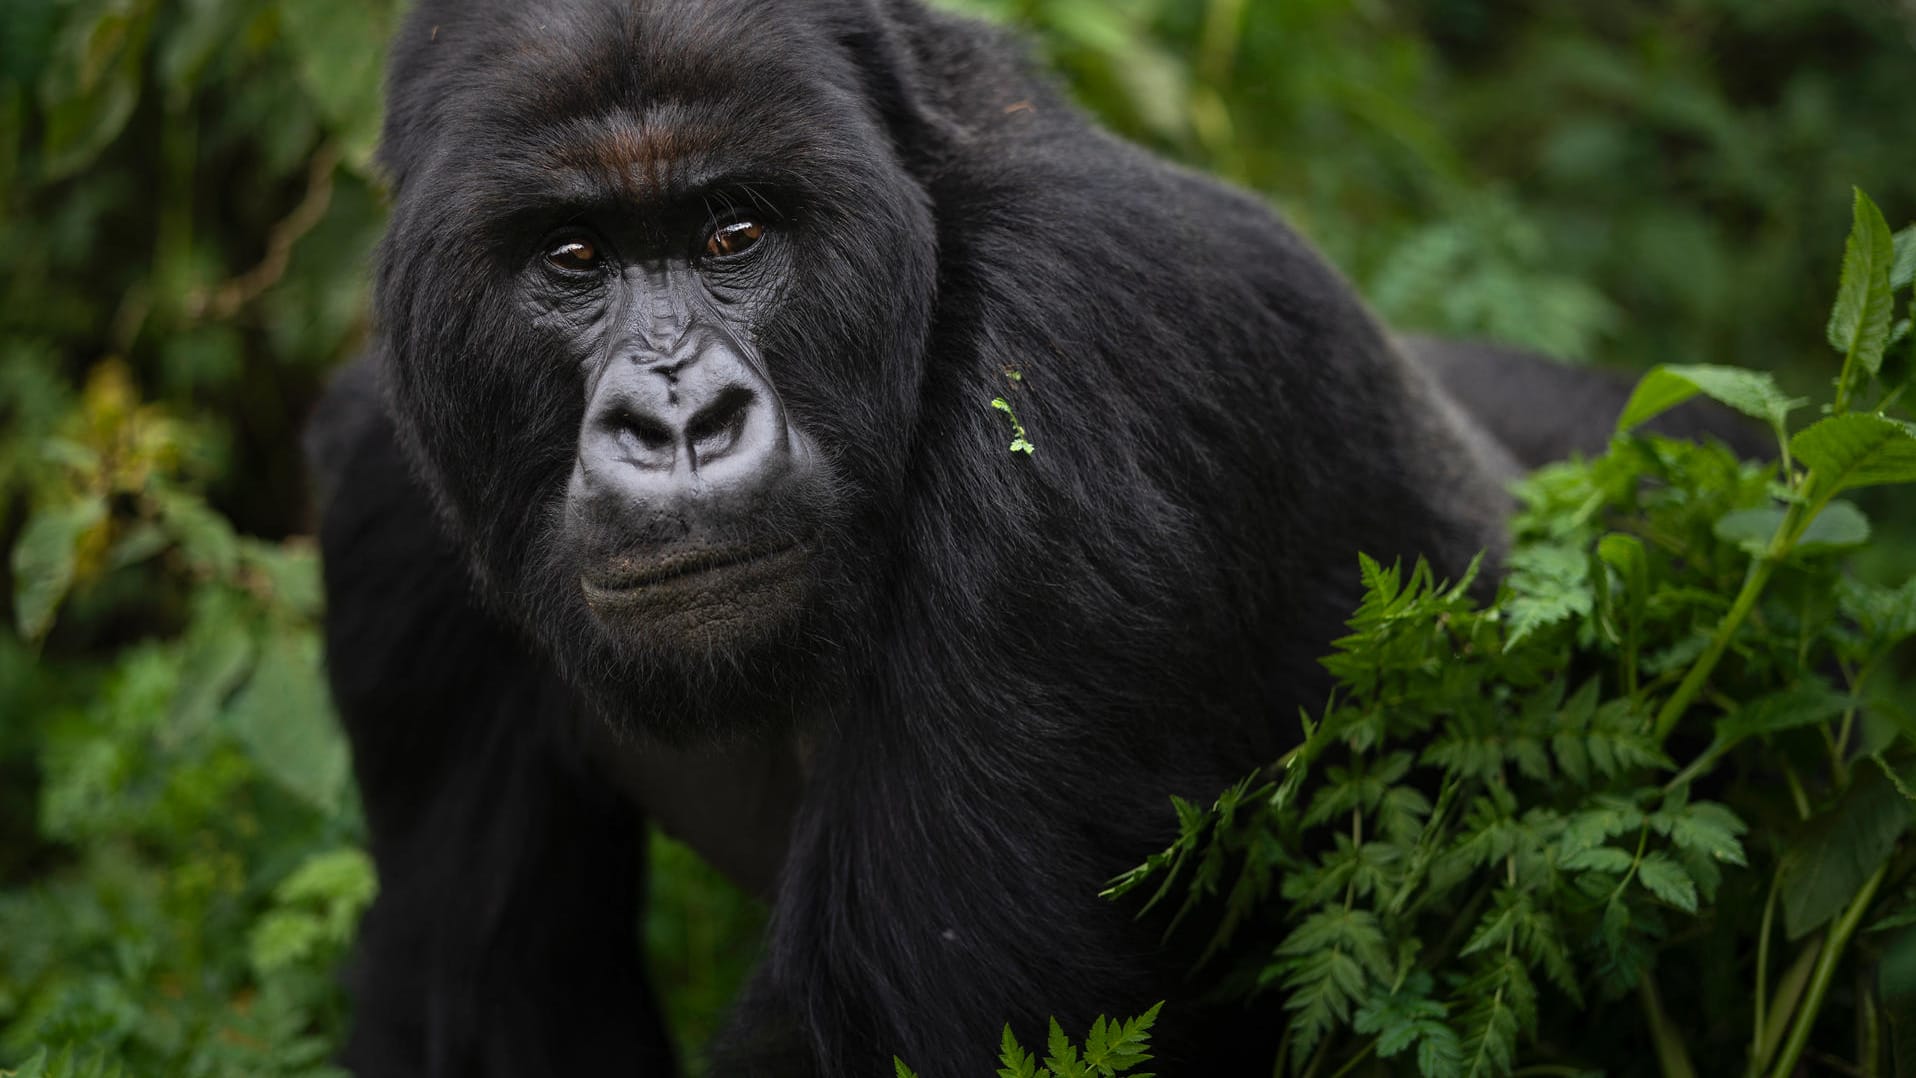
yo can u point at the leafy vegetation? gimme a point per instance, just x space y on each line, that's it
1672 760
1111 1048
186 206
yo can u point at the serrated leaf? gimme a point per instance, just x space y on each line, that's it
282 718
1859 323
46 559
1704 828
1803 704
1664 878
1887 613
1549 584
1016 1062
1827 863
1753 393
1855 450
1600 859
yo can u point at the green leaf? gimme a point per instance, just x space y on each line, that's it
1706 828
1859 323
1827 863
1904 269
282 718
1886 613
205 537
46 558
1896 970
1839 526
92 89
1855 450
1666 879
1805 703
1550 583
1750 392
1017 1063
338 51
899 1070
215 658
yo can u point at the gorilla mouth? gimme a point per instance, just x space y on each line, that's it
625 575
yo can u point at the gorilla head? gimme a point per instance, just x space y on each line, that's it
658 346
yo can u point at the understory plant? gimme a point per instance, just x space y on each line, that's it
1650 808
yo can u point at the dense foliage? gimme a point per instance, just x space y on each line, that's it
186 206
1672 760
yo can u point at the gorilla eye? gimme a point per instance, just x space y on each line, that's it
733 239
573 254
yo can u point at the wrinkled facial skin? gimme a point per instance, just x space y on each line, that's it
694 502
654 336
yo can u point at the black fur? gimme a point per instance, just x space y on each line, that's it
1005 664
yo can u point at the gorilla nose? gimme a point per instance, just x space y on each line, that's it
709 422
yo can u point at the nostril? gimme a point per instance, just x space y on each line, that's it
718 426
642 436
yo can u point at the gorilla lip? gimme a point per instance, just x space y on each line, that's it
628 573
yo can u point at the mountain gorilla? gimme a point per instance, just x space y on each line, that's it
674 490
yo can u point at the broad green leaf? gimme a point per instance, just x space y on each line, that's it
1753 393
1859 323
1827 862
1838 527
46 558
282 718
1855 450
217 653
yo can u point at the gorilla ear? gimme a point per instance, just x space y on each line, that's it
881 37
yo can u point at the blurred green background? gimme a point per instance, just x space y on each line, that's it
186 209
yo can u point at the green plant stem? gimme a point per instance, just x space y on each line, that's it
1353 1061
1789 991
1679 701
1796 520
1672 1058
1869 1047
1826 963
1763 972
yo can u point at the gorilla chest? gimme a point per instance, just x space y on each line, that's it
734 806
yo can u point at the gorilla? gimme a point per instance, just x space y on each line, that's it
675 491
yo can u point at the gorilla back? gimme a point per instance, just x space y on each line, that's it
673 488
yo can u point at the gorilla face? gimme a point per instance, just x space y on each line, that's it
676 299
694 499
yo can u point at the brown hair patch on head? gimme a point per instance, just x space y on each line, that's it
633 157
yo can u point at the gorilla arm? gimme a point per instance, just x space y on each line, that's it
508 870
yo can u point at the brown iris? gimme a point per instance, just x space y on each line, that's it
575 254
734 238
